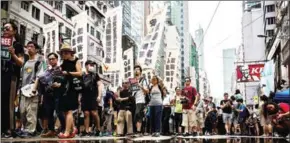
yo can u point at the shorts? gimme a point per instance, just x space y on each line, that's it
188 118
199 120
89 104
264 121
227 118
139 112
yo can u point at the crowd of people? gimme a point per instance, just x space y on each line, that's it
41 96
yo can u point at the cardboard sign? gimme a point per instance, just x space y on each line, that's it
134 84
5 44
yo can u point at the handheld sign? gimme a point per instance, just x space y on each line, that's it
134 84
5 43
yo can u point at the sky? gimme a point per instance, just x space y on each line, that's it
223 33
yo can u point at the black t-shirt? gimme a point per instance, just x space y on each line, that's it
125 104
10 65
227 109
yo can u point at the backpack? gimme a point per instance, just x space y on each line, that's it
89 81
159 87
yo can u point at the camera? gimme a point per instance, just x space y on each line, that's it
184 101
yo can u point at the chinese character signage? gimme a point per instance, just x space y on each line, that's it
249 73
6 42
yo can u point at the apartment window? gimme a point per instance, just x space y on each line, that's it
167 79
181 22
35 37
58 5
270 33
270 8
181 16
98 35
70 12
46 19
173 60
4 5
22 34
92 31
49 2
88 28
172 67
270 20
167 73
35 13
25 5
68 32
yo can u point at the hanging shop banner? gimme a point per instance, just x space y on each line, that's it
267 77
6 42
79 40
51 34
128 59
249 73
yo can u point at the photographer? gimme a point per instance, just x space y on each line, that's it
125 99
189 106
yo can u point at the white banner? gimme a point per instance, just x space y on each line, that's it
267 77
51 34
79 41
128 59
113 46
151 44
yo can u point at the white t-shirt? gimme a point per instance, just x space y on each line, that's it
139 95
166 100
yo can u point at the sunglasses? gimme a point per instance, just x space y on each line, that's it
50 59
6 28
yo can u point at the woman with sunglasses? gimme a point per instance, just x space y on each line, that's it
11 62
68 102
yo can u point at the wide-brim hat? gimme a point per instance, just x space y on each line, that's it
66 48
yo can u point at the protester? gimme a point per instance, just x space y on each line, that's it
31 71
90 93
178 111
226 106
200 116
108 113
68 102
140 98
51 87
265 118
166 112
10 74
189 116
125 114
155 105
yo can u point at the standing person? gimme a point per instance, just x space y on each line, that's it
166 112
241 110
108 113
200 116
265 119
90 93
31 71
52 86
125 114
226 106
68 102
238 94
10 74
178 111
140 98
189 115
155 105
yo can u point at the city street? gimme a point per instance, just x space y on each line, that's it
149 139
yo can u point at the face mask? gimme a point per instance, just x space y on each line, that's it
92 69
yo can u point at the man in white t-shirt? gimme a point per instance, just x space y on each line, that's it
140 98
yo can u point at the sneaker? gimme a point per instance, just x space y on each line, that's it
84 134
157 134
27 135
6 135
194 134
97 133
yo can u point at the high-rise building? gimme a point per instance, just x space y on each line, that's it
194 63
228 68
199 34
177 14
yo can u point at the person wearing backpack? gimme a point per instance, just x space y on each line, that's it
140 95
243 114
91 82
31 71
189 106
155 105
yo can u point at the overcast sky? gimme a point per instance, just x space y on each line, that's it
223 33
